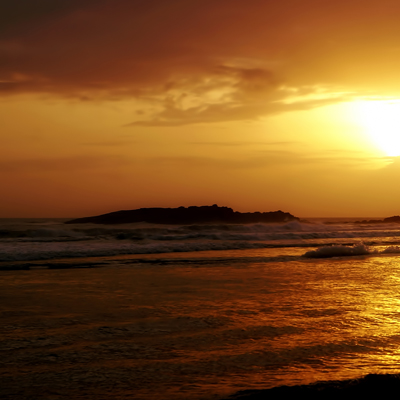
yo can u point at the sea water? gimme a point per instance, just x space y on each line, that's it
47 239
213 308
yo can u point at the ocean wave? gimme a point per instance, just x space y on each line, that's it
293 230
11 252
58 250
348 251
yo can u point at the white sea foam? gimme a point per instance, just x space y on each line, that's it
391 250
338 251
346 251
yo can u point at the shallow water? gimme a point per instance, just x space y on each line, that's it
192 325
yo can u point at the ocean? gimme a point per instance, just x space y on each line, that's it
194 312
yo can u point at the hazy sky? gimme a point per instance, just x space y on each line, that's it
258 105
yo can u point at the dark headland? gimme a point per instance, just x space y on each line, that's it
187 215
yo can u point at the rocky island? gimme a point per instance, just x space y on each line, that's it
187 215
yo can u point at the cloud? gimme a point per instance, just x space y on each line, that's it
249 143
231 94
62 164
264 158
269 159
200 60
26 12
111 143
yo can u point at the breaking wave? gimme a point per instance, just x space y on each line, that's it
346 251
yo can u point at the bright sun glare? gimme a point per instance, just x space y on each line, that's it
381 120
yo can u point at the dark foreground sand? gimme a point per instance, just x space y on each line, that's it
140 332
371 386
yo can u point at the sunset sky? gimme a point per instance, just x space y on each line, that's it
258 105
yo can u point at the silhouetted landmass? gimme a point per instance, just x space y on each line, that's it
373 386
183 216
394 219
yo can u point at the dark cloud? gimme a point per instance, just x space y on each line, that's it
199 60
21 14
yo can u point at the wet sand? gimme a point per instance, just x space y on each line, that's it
124 332
151 332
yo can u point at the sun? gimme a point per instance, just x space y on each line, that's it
381 121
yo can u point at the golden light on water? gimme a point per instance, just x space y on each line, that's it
381 120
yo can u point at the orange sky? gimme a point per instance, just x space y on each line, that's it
257 105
